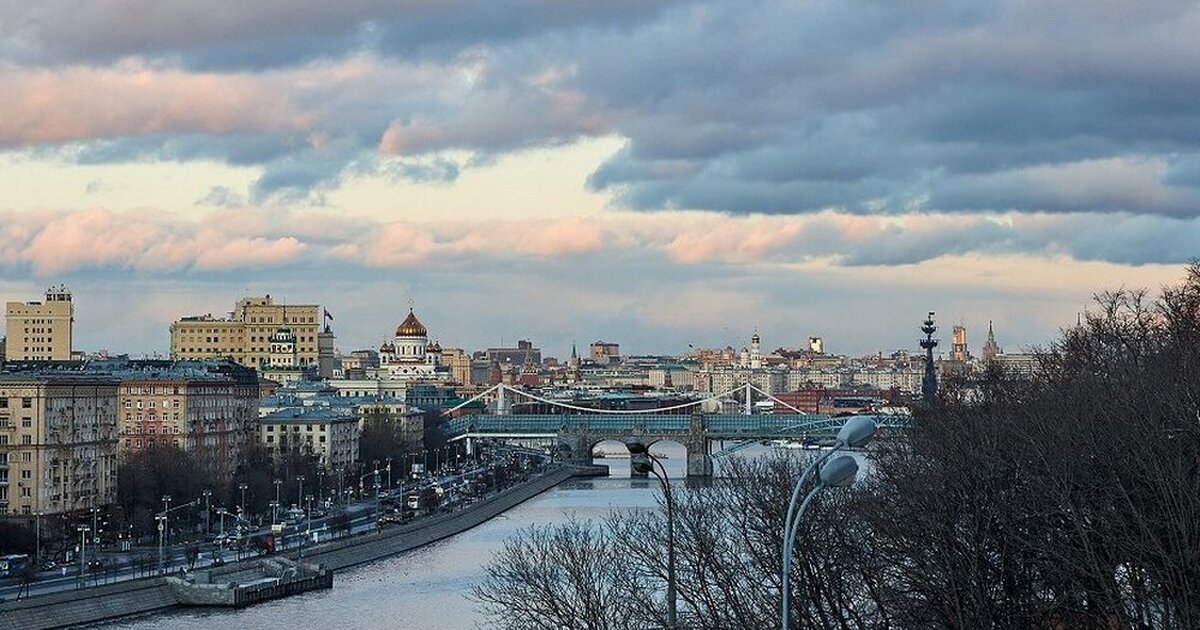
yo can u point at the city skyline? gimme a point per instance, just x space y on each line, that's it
726 336
816 169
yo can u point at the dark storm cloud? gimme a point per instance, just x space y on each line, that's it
870 107
269 33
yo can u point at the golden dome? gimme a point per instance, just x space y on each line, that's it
411 327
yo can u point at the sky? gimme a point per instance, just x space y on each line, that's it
656 173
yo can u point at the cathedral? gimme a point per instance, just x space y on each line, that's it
409 355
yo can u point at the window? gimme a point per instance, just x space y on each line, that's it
26 456
27 474
26 403
26 423
3 403
26 439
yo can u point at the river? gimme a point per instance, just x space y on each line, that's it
427 589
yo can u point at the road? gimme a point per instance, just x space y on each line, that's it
363 517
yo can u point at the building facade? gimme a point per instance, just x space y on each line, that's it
245 336
40 331
206 408
328 433
58 443
605 352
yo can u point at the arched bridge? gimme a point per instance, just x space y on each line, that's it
578 429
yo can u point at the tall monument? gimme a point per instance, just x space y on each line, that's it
929 383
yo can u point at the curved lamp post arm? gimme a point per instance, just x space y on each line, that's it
787 553
789 529
670 500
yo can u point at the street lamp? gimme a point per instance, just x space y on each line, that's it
242 505
300 492
207 493
320 487
162 527
37 549
277 483
83 531
855 433
643 462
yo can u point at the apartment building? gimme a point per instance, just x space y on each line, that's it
328 433
40 331
203 407
58 442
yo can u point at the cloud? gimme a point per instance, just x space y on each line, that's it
51 242
776 107
221 196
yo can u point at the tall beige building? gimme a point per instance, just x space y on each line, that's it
58 443
245 336
40 331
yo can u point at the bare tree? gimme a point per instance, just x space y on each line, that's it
1065 499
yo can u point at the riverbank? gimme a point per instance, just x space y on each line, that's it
134 597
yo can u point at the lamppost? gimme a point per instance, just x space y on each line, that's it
37 549
341 480
300 492
855 433
83 531
163 531
207 493
376 497
277 482
643 462
242 505
320 487
307 529
389 472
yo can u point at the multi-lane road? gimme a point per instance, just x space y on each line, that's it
352 519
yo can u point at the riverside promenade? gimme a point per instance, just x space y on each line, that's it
134 597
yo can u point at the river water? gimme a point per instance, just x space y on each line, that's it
427 589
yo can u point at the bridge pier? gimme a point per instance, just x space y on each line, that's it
699 463
634 473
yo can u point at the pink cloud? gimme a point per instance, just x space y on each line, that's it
250 252
79 103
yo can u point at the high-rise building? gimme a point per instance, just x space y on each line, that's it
606 352
246 335
40 331
58 442
958 345
990 347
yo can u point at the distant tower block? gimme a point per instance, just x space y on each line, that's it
990 348
958 349
816 345
755 351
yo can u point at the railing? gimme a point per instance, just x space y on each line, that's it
714 424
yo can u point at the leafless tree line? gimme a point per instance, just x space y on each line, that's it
1069 499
